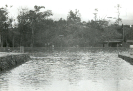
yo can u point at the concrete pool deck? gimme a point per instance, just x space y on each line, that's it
9 53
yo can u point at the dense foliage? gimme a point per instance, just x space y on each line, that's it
35 28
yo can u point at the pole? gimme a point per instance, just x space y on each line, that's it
118 7
32 33
123 32
13 41
61 36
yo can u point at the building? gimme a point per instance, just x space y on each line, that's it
113 43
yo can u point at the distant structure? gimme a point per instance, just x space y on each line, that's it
0 40
113 43
118 11
95 14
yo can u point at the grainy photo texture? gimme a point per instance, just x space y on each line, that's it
66 45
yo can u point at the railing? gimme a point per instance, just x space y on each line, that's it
70 49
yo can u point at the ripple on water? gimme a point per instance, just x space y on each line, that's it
82 71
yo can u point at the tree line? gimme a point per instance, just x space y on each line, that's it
35 28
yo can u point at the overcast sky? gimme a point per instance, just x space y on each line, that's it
60 8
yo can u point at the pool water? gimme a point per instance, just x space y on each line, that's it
70 71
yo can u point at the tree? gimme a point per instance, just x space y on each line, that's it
110 33
5 21
74 17
23 21
32 22
73 28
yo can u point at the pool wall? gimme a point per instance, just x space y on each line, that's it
10 61
126 57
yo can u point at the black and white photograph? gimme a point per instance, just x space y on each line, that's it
66 45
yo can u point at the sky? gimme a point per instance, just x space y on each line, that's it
60 8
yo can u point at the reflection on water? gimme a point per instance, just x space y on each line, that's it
101 71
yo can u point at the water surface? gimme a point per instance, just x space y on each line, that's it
70 71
